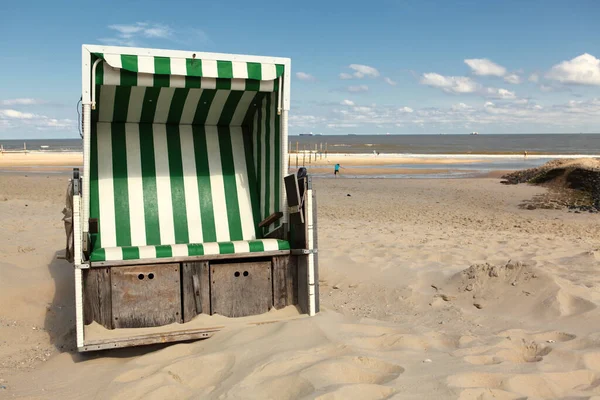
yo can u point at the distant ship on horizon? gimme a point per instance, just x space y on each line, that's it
474 133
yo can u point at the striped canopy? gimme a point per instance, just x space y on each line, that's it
132 70
186 157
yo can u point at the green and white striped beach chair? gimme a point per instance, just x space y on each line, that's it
184 161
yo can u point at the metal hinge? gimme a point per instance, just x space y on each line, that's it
300 252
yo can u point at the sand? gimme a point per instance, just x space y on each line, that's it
430 289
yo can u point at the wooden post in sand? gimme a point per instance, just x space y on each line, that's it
325 149
296 155
321 151
316 150
303 155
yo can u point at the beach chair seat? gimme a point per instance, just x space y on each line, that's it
238 247
161 191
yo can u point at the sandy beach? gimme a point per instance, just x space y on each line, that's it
430 289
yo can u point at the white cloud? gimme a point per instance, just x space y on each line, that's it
535 77
512 78
521 101
137 33
582 70
489 104
303 76
499 93
22 102
406 109
345 75
450 84
357 88
546 88
342 125
485 67
362 71
389 81
460 106
14 119
347 103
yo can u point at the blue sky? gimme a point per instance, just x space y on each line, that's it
381 66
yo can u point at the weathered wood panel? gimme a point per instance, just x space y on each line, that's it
97 302
145 296
316 248
241 289
195 289
285 281
303 283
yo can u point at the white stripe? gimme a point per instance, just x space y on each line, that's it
238 84
263 161
106 189
163 185
190 106
242 184
163 105
147 252
136 100
178 66
240 69
114 60
112 76
241 246
209 69
134 185
190 184
208 83
216 183
113 253
270 244
268 72
106 103
179 250
145 80
146 64
210 248
266 86
177 81
216 108
242 108
271 181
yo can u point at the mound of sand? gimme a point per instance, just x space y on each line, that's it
581 175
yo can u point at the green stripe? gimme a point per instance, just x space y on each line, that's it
99 69
164 251
268 149
252 85
283 245
223 84
231 196
128 78
229 108
259 156
279 68
149 185
206 100
226 248
119 165
254 71
209 232
256 246
193 67
98 255
177 104
162 65
94 192
195 249
193 82
129 63
177 188
149 106
225 69
254 199
122 94
131 253
277 166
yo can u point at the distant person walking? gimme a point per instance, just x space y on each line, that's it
336 170
525 154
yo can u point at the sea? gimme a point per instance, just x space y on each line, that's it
493 152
